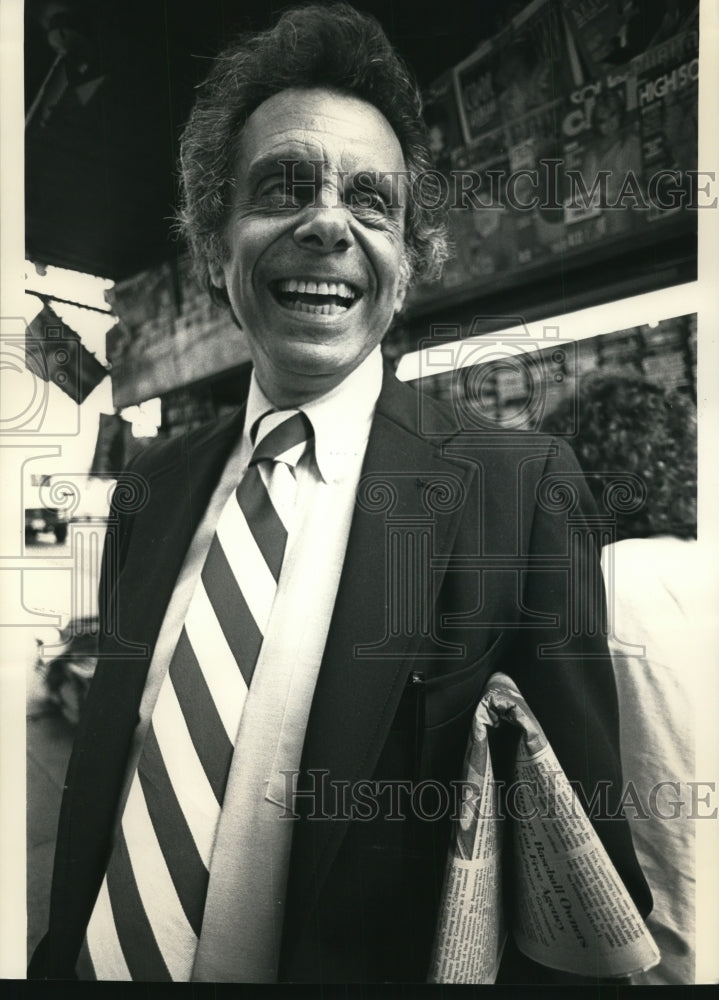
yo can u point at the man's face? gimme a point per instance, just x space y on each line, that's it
314 269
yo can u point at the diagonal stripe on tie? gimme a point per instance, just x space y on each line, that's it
189 781
281 485
143 957
247 564
253 497
241 631
264 522
176 939
296 430
177 844
219 666
203 720
101 948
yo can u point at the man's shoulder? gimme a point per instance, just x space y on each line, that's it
165 453
455 424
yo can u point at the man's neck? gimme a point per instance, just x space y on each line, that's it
297 389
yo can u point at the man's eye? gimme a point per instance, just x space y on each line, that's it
279 193
365 200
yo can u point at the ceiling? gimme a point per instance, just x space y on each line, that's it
101 142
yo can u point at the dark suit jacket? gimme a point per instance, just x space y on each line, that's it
468 553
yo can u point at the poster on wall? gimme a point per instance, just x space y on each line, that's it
574 128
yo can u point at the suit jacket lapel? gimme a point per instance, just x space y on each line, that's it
178 492
367 658
180 487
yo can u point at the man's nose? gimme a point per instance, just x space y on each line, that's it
324 226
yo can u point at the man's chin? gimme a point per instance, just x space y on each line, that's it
318 366
305 373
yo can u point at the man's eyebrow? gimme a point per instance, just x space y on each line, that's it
280 162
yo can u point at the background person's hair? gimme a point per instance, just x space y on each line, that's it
627 424
330 46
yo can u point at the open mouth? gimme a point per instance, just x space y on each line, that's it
323 298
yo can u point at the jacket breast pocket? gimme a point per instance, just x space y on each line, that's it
445 706
451 694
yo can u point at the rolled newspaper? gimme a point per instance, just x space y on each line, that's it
571 910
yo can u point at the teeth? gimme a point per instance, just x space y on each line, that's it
326 309
338 288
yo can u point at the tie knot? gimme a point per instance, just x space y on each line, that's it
281 436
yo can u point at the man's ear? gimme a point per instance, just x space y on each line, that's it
217 275
399 298
405 275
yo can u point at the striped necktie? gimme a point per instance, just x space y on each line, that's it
148 916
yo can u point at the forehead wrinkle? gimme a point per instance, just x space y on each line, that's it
323 135
360 156
323 122
268 159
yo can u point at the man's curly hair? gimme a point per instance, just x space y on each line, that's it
330 46
626 424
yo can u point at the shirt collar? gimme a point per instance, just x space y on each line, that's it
341 419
